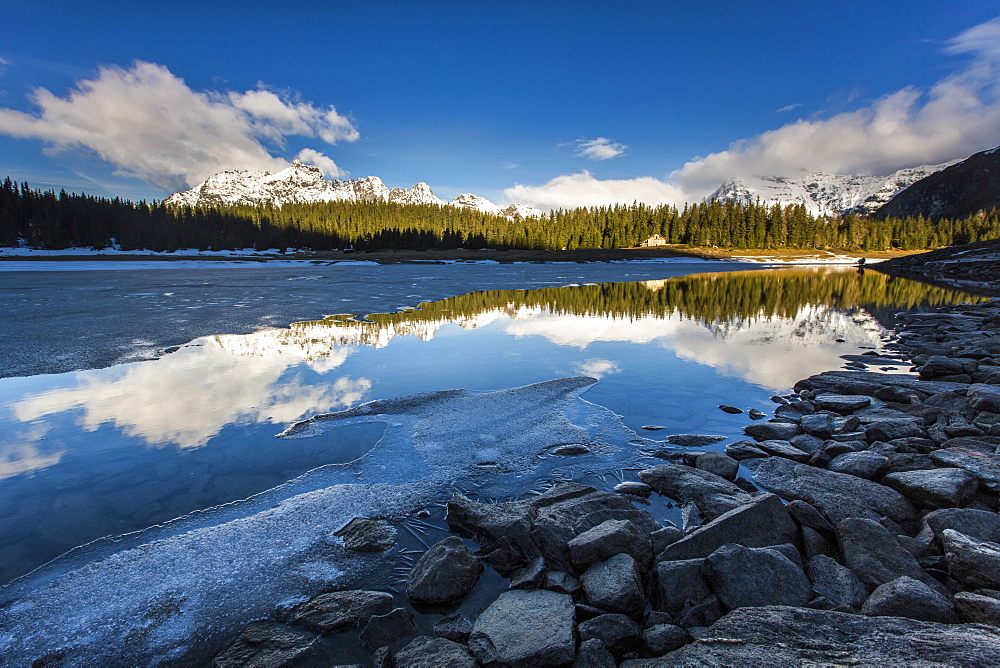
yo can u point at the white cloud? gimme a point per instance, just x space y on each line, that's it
4 64
601 148
583 189
596 367
148 123
789 107
329 167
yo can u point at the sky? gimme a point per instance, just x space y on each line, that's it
551 104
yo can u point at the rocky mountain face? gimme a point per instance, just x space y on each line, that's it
824 194
958 191
302 183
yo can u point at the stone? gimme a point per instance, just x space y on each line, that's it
906 597
615 585
772 431
864 464
693 440
446 573
759 523
889 430
744 450
456 628
721 465
937 488
807 516
972 562
984 397
382 630
818 425
680 585
732 410
783 636
531 576
267 643
593 654
505 526
837 583
525 628
755 414
983 465
665 638
842 403
425 652
875 555
561 582
618 632
663 537
640 489
608 539
712 494
364 534
703 613
807 443
339 611
783 449
977 524
382 658
836 495
571 450
815 543
747 576
977 608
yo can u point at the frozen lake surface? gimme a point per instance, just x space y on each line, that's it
184 515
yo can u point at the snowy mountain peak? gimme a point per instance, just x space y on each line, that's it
301 183
824 194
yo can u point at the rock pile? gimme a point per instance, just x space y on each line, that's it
871 534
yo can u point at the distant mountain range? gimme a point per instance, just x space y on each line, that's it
302 183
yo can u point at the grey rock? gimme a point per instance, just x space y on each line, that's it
972 562
732 410
721 465
806 515
747 576
838 584
833 448
633 488
593 654
456 628
783 449
340 610
495 525
680 585
618 632
608 539
446 573
367 535
814 543
977 608
693 440
665 638
706 612
865 464
382 630
938 488
615 585
836 495
783 636
755 414
875 555
712 494
663 537
983 465
888 430
772 431
759 523
977 524
842 403
571 450
382 658
807 443
818 425
531 576
906 597
428 652
267 643
526 628
562 582
984 397
744 450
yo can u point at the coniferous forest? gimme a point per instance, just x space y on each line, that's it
52 220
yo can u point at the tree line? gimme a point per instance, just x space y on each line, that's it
50 220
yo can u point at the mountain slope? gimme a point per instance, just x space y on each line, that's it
301 183
824 194
955 192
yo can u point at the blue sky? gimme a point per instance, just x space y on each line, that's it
548 103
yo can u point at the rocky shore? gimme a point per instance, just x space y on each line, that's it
858 524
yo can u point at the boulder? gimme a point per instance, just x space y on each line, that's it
875 555
978 608
668 535
665 638
382 630
680 585
693 440
561 582
984 397
425 651
593 654
783 449
906 597
819 425
864 464
841 403
974 563
936 488
807 516
571 450
741 450
759 523
807 443
495 525
530 576
339 611
836 495
984 465
633 488
783 636
456 628
838 584
267 643
364 534
721 465
889 430
608 539
615 585
446 573
525 628
618 632
977 524
772 431
712 494
747 576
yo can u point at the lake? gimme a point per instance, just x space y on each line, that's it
185 499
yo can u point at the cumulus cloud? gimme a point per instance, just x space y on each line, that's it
789 107
601 148
954 118
329 167
149 124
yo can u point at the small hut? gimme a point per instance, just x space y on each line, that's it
655 240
